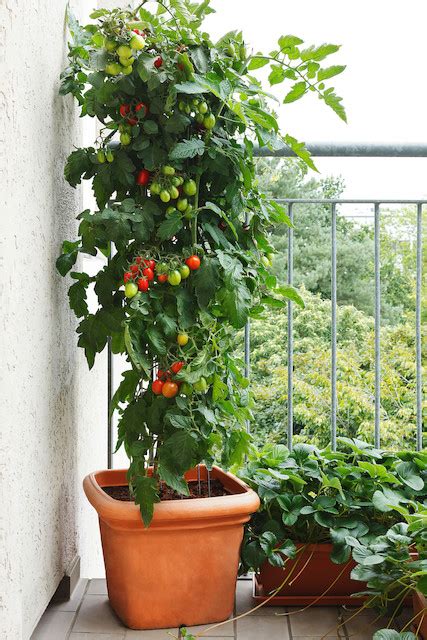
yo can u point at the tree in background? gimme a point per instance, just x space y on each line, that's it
355 376
287 178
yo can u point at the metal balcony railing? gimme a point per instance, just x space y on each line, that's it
343 150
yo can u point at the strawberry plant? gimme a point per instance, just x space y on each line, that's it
180 221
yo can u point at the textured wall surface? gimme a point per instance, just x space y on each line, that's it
52 410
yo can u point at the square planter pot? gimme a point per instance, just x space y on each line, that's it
182 569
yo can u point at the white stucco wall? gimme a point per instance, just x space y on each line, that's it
52 410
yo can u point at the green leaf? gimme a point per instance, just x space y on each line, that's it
169 227
297 92
300 150
180 450
77 297
408 471
191 88
277 74
187 149
205 281
286 42
126 389
78 165
291 293
146 495
253 555
156 340
319 53
334 101
256 62
68 258
330 72
172 479
200 59
236 302
93 336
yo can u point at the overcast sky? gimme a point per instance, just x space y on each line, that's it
384 86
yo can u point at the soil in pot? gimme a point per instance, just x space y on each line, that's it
202 490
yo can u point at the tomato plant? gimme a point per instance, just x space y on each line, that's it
173 175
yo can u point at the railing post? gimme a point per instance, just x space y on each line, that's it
334 326
377 260
419 437
290 416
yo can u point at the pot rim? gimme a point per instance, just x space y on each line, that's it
230 508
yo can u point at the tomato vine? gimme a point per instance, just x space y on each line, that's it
173 175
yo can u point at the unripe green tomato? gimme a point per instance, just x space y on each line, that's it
182 204
187 109
167 170
109 155
188 213
189 188
125 139
100 156
209 121
174 193
181 105
186 389
126 62
137 42
176 181
131 290
110 45
127 70
182 339
113 69
181 181
270 256
124 51
174 278
242 52
203 107
164 195
155 188
230 50
199 118
201 386
170 210
195 102
184 271
266 262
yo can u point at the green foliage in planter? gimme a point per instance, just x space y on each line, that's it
173 176
386 564
310 495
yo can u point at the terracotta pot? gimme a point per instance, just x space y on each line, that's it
311 574
182 569
420 607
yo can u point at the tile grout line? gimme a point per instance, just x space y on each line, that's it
76 612
288 621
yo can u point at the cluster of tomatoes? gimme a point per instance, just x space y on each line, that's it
121 55
199 110
164 384
132 114
143 270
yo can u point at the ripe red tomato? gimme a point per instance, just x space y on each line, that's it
170 389
143 284
139 32
193 262
127 276
151 264
142 105
157 387
134 268
177 366
162 277
158 62
138 260
124 110
143 177
132 121
148 273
